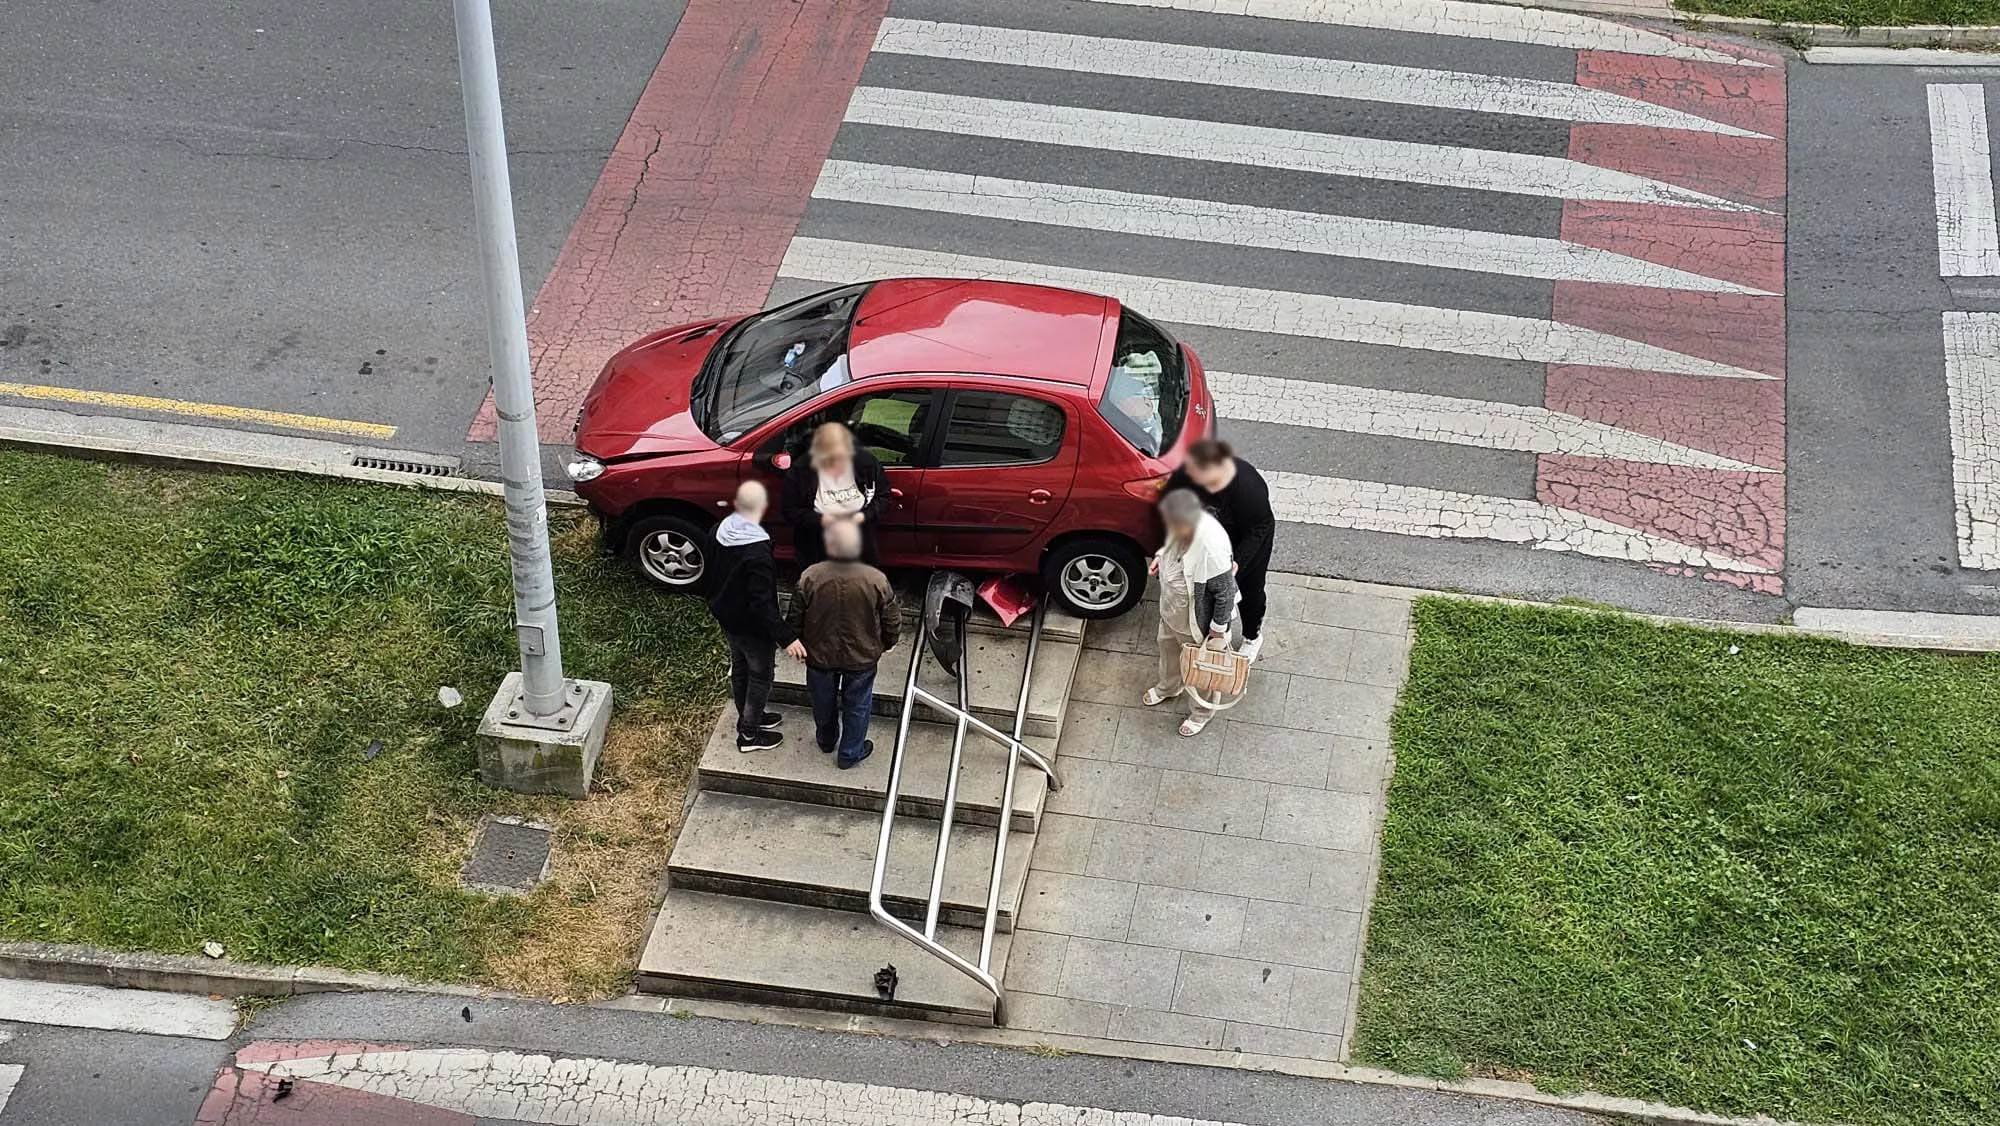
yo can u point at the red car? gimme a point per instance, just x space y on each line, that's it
1023 429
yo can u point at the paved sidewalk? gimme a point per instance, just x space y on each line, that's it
1212 892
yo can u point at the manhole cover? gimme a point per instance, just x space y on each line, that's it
510 857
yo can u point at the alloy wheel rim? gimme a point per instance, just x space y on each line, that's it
1094 582
671 558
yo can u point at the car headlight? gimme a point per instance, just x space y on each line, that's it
585 468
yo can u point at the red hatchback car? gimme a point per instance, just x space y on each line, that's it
1023 429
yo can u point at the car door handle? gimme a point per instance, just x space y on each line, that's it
897 493
1040 496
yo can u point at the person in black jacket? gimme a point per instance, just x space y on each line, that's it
837 481
1235 493
745 605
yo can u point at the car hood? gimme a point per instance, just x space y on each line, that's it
640 403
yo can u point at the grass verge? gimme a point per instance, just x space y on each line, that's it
1746 874
194 666
1854 13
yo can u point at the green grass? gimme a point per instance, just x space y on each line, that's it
1629 859
192 668
1854 13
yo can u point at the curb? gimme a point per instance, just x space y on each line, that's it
178 973
1798 35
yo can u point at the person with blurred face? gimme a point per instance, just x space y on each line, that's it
745 605
838 482
848 616
1235 493
1197 597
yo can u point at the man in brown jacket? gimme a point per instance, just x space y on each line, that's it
847 615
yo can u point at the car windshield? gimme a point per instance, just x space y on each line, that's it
1145 399
776 360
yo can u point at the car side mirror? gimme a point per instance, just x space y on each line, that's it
776 461
781 461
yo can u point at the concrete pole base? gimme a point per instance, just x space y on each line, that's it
519 753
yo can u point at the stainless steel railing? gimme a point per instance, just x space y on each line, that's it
959 711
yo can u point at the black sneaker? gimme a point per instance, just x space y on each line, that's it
867 748
762 741
771 722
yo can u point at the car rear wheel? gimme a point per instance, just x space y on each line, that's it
1095 578
672 551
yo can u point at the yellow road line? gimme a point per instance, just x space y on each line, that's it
200 410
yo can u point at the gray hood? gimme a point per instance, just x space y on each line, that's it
736 531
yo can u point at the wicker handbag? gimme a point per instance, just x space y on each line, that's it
1215 678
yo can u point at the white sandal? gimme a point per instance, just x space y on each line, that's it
1192 725
1154 697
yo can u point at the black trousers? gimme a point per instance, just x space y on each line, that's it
753 665
1250 576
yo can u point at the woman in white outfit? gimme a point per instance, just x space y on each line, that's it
1198 596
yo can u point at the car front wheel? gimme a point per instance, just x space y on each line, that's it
1095 578
672 551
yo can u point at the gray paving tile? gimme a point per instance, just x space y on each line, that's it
1150 737
1132 632
1077 905
1234 989
1063 843
1359 766
1341 879
1369 613
1380 659
1297 934
1212 804
1319 1002
1149 854
1264 700
1062 1016
1088 731
1307 648
1151 1026
1275 754
1120 973
1035 962
1264 1040
1257 869
1117 790
1186 920
1113 678
1339 707
1320 818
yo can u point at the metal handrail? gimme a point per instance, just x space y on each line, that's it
963 721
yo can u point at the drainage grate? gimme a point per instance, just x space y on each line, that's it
404 464
510 857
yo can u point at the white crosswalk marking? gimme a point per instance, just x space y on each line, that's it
1962 174
1462 19
1972 381
1258 146
10 1077
1442 418
1293 74
1198 220
1274 311
120 1010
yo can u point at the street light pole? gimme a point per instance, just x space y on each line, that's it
542 727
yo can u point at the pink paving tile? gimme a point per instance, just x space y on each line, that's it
1745 247
1740 515
271 1051
704 190
1746 97
1739 169
249 1098
1738 418
1741 330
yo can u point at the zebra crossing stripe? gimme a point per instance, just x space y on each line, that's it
1291 74
1962 179
1259 146
1972 383
1501 22
1442 418
1411 510
1197 220
10 1077
1284 313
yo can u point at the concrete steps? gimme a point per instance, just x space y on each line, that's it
796 772
996 680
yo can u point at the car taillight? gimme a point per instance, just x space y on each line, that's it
1147 489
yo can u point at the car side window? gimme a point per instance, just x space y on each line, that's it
889 424
991 428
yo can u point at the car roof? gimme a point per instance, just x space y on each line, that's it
961 326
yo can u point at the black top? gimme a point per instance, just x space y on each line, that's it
1243 508
802 490
745 602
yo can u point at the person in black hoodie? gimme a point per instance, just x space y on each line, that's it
1235 493
838 480
745 605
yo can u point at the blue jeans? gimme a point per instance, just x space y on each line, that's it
842 702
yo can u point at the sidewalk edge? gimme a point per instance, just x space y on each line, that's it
67 964
1792 34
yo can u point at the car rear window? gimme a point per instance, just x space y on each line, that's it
1145 399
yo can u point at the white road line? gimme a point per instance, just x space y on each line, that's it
1442 418
116 1010
1291 74
1465 20
535 1088
1487 170
10 1077
1409 510
1972 380
1233 224
1273 311
1962 175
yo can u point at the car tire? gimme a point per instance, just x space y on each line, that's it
672 552
1095 577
